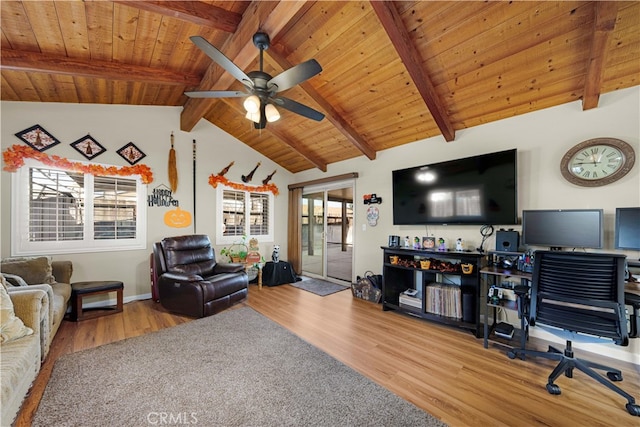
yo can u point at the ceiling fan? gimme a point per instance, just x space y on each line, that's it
261 89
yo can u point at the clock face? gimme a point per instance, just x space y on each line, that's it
597 162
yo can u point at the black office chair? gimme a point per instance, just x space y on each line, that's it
579 295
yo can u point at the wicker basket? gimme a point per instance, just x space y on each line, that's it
238 253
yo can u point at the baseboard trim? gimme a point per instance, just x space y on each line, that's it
112 301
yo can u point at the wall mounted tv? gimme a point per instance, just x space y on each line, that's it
563 228
475 190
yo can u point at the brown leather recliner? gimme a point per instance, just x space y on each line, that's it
191 282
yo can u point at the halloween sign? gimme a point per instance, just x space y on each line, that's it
162 196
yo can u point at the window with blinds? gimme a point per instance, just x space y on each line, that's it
114 208
244 213
56 205
233 212
259 214
58 211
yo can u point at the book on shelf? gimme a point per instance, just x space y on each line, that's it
504 330
444 300
412 301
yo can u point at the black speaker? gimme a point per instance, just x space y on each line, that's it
507 241
469 308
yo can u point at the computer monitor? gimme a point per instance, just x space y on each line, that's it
627 229
563 228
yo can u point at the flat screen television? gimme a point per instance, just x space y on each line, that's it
627 228
474 190
563 228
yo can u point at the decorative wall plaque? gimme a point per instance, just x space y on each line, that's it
88 147
131 153
37 138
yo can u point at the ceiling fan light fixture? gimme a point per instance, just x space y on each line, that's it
271 113
254 117
252 104
260 87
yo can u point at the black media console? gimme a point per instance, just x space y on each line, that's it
441 286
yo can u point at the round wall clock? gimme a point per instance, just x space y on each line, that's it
598 161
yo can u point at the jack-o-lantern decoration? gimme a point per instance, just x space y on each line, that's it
177 218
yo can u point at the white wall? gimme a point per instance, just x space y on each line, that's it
541 138
149 128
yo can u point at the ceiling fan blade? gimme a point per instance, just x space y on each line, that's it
218 57
216 94
296 107
295 75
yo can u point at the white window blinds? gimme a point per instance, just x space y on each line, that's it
114 208
56 205
244 213
59 211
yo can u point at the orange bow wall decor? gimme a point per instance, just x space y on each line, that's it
14 159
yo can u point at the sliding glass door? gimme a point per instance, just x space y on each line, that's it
339 233
327 232
313 233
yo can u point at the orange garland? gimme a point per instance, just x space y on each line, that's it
14 159
214 180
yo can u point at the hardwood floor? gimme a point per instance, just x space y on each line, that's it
443 370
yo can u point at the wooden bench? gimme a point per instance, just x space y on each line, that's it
80 290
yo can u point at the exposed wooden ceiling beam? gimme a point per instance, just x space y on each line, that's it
300 148
195 12
399 36
270 18
606 13
333 115
15 60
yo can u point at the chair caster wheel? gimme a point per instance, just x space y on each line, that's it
511 354
633 409
614 376
553 389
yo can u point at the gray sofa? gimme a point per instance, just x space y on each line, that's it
40 290
54 277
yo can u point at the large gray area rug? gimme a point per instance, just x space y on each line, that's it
318 286
236 368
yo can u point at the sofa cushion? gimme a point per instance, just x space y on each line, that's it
19 367
11 327
34 270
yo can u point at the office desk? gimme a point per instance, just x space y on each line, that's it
493 275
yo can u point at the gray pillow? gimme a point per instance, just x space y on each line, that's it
34 270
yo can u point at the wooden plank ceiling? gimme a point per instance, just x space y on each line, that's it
393 72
